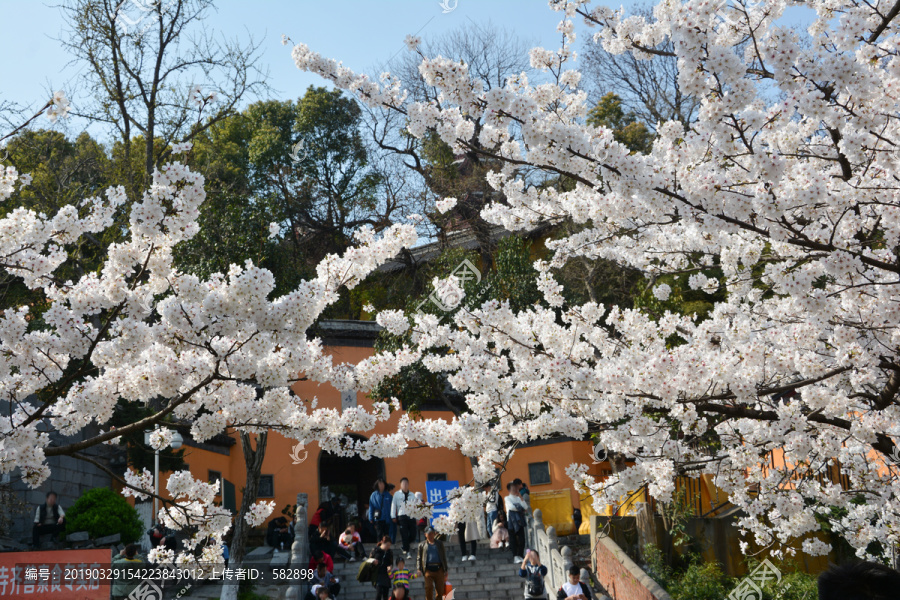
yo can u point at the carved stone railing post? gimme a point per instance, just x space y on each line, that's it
551 560
300 547
533 539
565 564
585 576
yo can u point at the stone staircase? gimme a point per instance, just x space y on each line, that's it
492 575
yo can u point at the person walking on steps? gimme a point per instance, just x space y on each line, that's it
574 589
515 515
400 575
470 532
431 562
534 573
384 564
380 509
523 490
400 516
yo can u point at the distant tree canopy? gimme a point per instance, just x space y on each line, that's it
626 127
302 165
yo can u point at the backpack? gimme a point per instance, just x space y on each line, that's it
535 585
366 571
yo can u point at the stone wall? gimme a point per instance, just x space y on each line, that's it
616 572
69 478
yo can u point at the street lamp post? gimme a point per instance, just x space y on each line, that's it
176 444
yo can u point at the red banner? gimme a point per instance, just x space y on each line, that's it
63 574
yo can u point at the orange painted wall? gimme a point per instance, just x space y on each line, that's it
415 464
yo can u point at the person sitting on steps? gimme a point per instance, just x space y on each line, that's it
279 534
500 537
351 541
48 518
325 579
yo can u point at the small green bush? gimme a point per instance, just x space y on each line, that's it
706 581
797 586
701 581
101 512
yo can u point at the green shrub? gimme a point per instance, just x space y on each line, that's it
701 581
795 586
656 566
706 581
101 512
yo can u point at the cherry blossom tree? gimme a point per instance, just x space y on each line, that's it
786 185
782 193
140 330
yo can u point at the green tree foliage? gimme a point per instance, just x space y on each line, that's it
338 190
627 130
63 172
683 300
512 280
103 512
319 191
234 156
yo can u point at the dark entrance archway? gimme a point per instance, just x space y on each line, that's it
351 477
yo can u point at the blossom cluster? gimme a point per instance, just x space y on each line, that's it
781 198
259 512
161 438
59 107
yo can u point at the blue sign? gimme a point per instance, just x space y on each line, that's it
436 494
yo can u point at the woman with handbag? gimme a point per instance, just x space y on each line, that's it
384 564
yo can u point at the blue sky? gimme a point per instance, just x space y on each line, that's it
363 34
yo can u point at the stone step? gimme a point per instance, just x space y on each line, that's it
280 559
465 569
470 584
493 594
492 575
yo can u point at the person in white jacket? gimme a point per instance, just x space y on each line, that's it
516 511
405 523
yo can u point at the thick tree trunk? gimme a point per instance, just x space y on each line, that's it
253 460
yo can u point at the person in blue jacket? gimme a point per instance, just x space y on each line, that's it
380 508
